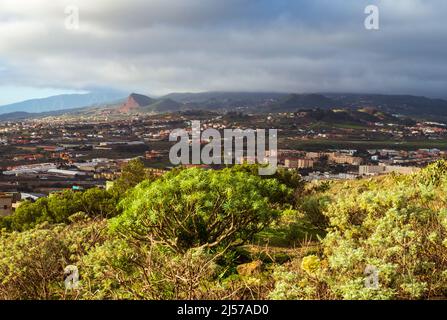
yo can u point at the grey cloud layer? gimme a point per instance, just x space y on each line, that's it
285 45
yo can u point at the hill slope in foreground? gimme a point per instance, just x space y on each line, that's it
379 238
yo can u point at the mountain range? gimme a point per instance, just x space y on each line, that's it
405 105
64 101
253 102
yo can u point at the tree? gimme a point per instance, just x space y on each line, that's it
58 207
64 204
131 174
5 223
28 214
200 208
98 202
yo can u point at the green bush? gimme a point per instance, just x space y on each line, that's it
200 208
396 225
58 207
32 262
313 208
171 240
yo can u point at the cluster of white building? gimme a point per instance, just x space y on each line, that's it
373 170
82 168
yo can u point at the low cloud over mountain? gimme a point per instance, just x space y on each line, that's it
245 45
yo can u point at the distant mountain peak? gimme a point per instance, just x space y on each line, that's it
63 102
136 101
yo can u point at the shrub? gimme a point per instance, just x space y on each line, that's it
200 208
121 270
397 226
32 262
313 207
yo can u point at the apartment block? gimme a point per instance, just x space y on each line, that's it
298 163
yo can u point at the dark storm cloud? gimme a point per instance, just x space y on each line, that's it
195 45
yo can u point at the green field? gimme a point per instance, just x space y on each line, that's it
365 144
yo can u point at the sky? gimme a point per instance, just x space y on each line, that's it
161 46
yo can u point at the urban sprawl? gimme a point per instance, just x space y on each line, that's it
47 155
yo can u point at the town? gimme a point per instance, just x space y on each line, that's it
46 155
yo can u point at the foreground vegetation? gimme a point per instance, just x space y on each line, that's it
230 234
